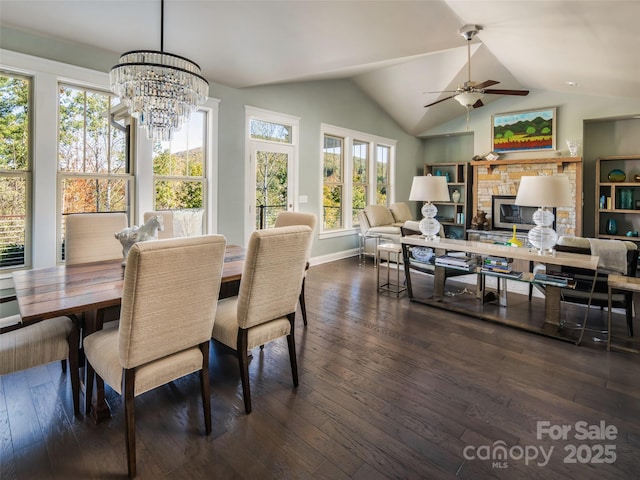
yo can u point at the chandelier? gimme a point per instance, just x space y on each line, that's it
159 89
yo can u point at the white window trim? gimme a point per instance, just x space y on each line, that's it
349 136
254 113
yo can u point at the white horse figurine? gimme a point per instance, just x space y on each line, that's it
130 235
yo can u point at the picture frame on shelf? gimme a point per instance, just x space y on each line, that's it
524 131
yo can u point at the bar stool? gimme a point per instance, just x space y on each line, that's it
390 252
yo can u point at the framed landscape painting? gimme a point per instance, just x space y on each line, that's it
524 131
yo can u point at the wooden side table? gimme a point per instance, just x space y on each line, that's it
620 282
390 252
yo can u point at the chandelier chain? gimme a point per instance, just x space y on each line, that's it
160 89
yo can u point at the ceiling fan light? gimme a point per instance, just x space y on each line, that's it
467 99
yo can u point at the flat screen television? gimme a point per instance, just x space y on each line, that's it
505 214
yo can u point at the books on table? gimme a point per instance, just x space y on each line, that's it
463 263
557 279
502 273
501 265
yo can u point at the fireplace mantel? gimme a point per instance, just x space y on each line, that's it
502 177
560 161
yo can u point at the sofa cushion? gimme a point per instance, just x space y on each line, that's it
378 215
582 242
401 212
385 231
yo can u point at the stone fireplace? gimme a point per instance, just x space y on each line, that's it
502 177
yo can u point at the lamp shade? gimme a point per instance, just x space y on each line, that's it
428 188
544 191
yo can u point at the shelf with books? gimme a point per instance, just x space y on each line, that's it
463 263
556 279
453 215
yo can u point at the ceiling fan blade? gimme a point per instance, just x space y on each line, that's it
438 101
478 104
497 91
487 83
443 91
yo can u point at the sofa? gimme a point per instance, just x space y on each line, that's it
383 223
380 220
584 278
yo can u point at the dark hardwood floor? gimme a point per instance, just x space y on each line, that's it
388 389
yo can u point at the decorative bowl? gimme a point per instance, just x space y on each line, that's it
422 254
617 175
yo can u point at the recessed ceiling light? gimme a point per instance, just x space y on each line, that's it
571 83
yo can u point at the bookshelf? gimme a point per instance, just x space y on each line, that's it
453 215
617 199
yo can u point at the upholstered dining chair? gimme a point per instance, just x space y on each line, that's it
185 222
89 237
27 346
169 301
265 307
286 219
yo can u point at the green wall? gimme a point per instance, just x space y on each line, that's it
336 102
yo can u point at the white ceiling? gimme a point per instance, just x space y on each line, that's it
394 50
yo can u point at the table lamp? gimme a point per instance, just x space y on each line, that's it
544 191
429 189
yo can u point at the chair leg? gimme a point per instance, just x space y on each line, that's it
88 382
243 360
205 387
629 313
303 307
130 433
74 367
586 313
291 342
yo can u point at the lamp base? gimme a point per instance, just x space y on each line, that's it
429 226
543 238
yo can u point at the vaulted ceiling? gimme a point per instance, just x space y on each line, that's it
395 50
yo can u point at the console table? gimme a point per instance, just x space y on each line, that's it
549 321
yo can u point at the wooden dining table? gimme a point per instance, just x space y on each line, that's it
50 292
86 290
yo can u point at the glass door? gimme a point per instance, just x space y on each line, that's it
273 167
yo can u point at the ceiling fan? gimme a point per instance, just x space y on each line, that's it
470 94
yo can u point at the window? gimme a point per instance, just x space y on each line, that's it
357 171
360 175
179 167
93 158
15 170
383 154
333 188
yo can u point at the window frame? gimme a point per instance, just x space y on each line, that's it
292 148
129 177
205 179
349 136
26 173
